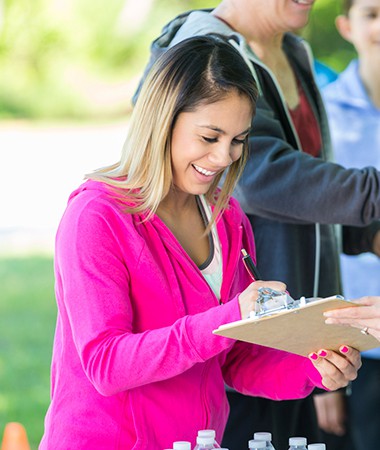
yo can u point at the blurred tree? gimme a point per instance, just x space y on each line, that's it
1 13
133 16
83 58
327 44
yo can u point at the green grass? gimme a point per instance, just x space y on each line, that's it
27 321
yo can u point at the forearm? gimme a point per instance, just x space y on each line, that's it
116 361
269 373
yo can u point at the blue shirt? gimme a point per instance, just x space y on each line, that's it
324 74
355 130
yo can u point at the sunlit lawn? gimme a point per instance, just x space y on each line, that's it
27 320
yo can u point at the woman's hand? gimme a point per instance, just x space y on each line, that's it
367 317
247 298
337 369
331 412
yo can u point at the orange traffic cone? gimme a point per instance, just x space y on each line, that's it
15 437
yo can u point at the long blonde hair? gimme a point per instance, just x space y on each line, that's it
199 70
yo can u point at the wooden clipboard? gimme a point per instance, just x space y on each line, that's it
301 330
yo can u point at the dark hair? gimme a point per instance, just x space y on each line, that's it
346 6
209 69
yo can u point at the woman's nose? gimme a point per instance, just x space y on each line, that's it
221 156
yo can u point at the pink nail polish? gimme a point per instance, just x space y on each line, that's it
313 356
344 349
322 353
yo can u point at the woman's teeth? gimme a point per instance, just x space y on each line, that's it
203 171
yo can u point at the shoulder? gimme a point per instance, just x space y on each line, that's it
346 85
201 22
95 223
94 207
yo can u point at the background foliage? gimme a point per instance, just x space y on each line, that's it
27 311
326 42
81 59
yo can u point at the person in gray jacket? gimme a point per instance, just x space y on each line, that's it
291 191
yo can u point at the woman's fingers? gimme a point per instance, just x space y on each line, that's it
249 296
365 317
368 308
275 285
336 369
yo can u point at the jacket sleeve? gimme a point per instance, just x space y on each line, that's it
285 184
269 373
358 240
95 302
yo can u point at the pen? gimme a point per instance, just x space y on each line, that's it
250 266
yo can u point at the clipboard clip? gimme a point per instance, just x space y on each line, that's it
271 302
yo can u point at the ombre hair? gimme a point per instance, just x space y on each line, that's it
198 71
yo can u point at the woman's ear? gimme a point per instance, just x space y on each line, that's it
343 25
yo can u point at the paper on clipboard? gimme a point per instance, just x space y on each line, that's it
301 330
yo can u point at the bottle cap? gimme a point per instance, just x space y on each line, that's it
206 433
204 440
254 443
316 446
297 441
181 445
262 436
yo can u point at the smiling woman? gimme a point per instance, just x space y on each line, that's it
147 265
207 141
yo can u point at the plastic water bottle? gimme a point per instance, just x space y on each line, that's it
297 443
205 443
254 444
211 434
264 436
181 445
316 447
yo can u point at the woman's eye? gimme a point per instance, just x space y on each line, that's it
239 141
210 140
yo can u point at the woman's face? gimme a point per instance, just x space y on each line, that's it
207 140
279 15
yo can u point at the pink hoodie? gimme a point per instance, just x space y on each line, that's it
135 364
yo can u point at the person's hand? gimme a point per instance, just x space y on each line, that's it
247 298
337 368
367 317
331 412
